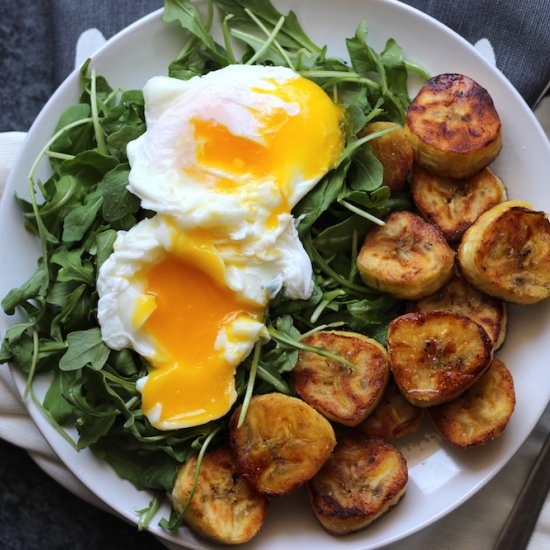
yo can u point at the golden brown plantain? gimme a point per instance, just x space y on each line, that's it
506 253
281 444
407 257
225 507
363 479
339 392
453 126
393 417
481 413
460 297
394 151
453 204
437 355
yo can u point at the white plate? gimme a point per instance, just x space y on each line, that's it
440 477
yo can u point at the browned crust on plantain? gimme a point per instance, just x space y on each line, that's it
437 355
453 126
339 392
458 296
363 479
394 151
281 444
481 413
225 507
393 417
407 257
506 253
454 204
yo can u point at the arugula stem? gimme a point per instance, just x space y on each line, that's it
227 38
267 33
414 68
276 383
147 514
32 191
276 335
357 143
204 447
324 266
34 361
327 299
63 433
52 140
340 76
268 42
62 156
250 385
362 213
319 328
99 137
209 15
113 94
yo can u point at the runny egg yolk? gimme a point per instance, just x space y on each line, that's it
292 145
192 379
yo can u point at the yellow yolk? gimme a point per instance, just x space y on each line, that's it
301 146
190 378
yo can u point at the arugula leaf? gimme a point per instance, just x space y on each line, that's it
319 200
33 287
187 15
55 401
117 200
85 348
79 219
72 266
291 36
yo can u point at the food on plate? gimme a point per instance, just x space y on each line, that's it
506 253
453 126
363 478
393 417
281 444
393 150
481 413
225 507
436 355
187 288
459 296
454 204
219 215
407 257
343 393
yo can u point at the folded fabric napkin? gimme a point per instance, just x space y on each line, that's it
514 35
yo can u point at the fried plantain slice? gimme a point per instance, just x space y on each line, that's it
394 151
393 417
225 507
363 478
339 392
506 253
437 355
481 413
281 444
453 126
407 257
453 204
460 297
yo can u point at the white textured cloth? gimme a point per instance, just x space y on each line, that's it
475 524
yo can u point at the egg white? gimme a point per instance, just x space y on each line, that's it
245 229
